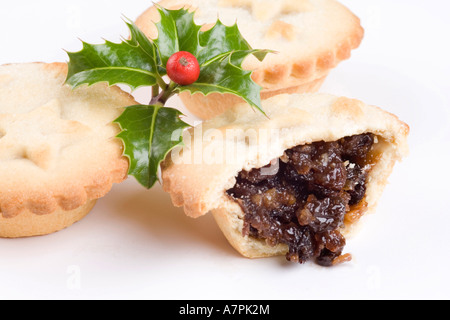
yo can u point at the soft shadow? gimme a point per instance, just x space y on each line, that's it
153 211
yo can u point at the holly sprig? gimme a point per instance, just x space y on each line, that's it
150 132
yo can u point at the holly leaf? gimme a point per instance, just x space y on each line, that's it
177 31
225 75
149 133
220 40
132 62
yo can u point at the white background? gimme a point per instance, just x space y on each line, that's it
136 245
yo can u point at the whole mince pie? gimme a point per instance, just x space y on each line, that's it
58 151
298 181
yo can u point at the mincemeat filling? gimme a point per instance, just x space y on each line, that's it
301 200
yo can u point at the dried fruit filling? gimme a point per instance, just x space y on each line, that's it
302 199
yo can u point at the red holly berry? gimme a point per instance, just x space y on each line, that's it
183 68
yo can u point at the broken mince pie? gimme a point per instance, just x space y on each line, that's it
58 151
310 37
294 183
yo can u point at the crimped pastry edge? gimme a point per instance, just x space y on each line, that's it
29 224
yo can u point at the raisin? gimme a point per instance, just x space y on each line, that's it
357 147
327 214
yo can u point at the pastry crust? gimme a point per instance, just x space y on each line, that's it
58 151
311 38
199 183
29 224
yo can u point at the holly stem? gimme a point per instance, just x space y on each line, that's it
155 91
161 83
168 93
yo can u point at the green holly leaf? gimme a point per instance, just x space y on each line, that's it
220 40
225 75
177 31
132 62
149 133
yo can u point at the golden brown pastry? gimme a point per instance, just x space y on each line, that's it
311 37
295 183
58 151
